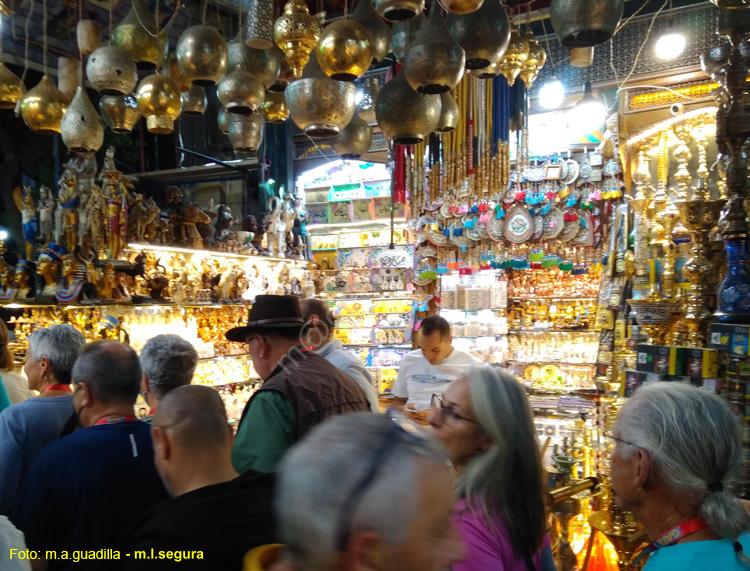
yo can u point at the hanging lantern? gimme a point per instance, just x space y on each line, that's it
222 120
319 105
403 35
88 36
370 91
202 54
585 23
489 72
239 92
343 51
43 107
245 132
120 112
171 70
111 71
11 88
68 76
515 56
378 32
406 116
137 36
484 34
354 141
448 113
461 6
259 27
285 75
261 64
581 57
435 62
534 63
159 100
80 127
274 107
398 10
194 101
296 33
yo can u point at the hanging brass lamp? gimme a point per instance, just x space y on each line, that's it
120 112
274 107
202 54
461 6
88 36
240 92
194 101
222 120
534 63
296 33
11 88
484 34
398 10
245 132
285 75
370 90
171 70
259 26
159 100
585 23
319 105
448 113
406 116
515 56
343 51
139 36
43 106
378 32
489 72
80 127
434 62
403 34
261 64
354 140
111 71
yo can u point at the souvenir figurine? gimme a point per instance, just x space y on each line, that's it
92 236
7 283
25 203
25 272
66 214
227 288
192 215
46 209
224 219
116 194
72 281
145 217
48 268
108 283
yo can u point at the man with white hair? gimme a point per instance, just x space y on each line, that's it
365 491
167 362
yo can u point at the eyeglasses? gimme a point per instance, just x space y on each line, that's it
447 412
401 428
609 434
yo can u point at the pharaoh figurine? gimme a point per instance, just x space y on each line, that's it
7 282
72 280
66 215
93 235
48 268
24 277
275 228
116 194
108 283
25 203
46 209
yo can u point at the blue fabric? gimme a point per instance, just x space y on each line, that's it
4 398
699 556
86 489
24 429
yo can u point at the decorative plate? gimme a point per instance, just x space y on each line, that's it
595 159
436 238
445 211
585 235
553 224
519 225
495 230
538 227
572 172
596 175
425 252
611 167
475 234
569 231
535 173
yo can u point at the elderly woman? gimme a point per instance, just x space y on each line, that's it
168 362
676 450
16 386
485 423
26 427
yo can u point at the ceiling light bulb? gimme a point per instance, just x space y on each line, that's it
551 94
670 45
589 113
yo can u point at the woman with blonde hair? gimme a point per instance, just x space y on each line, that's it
15 385
485 423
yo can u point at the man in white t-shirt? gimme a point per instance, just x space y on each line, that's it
432 367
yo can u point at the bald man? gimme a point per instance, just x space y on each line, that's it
213 509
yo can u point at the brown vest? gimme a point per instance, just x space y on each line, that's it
315 389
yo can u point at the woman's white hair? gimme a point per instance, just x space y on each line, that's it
60 344
694 441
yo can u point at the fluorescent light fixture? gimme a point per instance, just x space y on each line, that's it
551 94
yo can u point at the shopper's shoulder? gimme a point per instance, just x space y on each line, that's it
414 356
462 358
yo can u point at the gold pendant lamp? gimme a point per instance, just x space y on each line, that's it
111 71
355 140
194 101
406 116
240 92
534 63
139 36
245 132
263 64
274 107
11 88
399 10
378 32
43 106
202 54
515 56
81 128
344 51
296 33
159 100
120 112
484 34
171 70
461 6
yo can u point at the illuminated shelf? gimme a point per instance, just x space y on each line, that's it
442 309
211 253
149 305
377 346
527 331
492 336
554 298
359 225
552 362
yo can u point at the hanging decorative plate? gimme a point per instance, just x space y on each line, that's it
519 226
569 231
474 234
585 234
425 252
572 172
563 167
434 207
535 173
553 224
596 175
595 159
612 167
495 230
445 211
436 238
585 171
538 227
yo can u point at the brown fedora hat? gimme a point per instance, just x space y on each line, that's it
269 312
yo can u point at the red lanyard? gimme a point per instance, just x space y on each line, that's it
58 387
114 419
672 536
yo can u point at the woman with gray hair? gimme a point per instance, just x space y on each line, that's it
676 449
485 423
26 427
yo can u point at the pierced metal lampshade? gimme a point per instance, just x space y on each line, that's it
136 34
261 64
274 107
245 132
259 27
43 106
194 101
398 10
240 92
80 127
120 112
354 140
515 56
111 71
534 63
484 34
202 54
11 88
406 116
343 51
159 100
585 23
296 33
377 30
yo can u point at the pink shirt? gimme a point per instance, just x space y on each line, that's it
487 548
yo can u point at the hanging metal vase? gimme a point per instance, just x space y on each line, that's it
461 6
139 36
296 33
403 34
378 32
406 116
398 10
343 51
434 62
202 54
448 113
240 92
43 106
80 127
355 140
194 101
111 71
319 105
261 64
515 56
11 88
274 107
259 27
159 100
484 34
585 23
120 112
245 132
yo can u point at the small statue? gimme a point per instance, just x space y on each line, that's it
46 209
96 215
25 272
224 220
145 218
7 283
116 195
227 289
25 203
73 279
108 283
608 146
192 215
66 214
275 229
48 268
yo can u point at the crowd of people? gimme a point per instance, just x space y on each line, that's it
315 479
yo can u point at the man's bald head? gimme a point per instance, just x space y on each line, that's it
195 417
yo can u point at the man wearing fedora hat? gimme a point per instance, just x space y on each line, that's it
300 388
